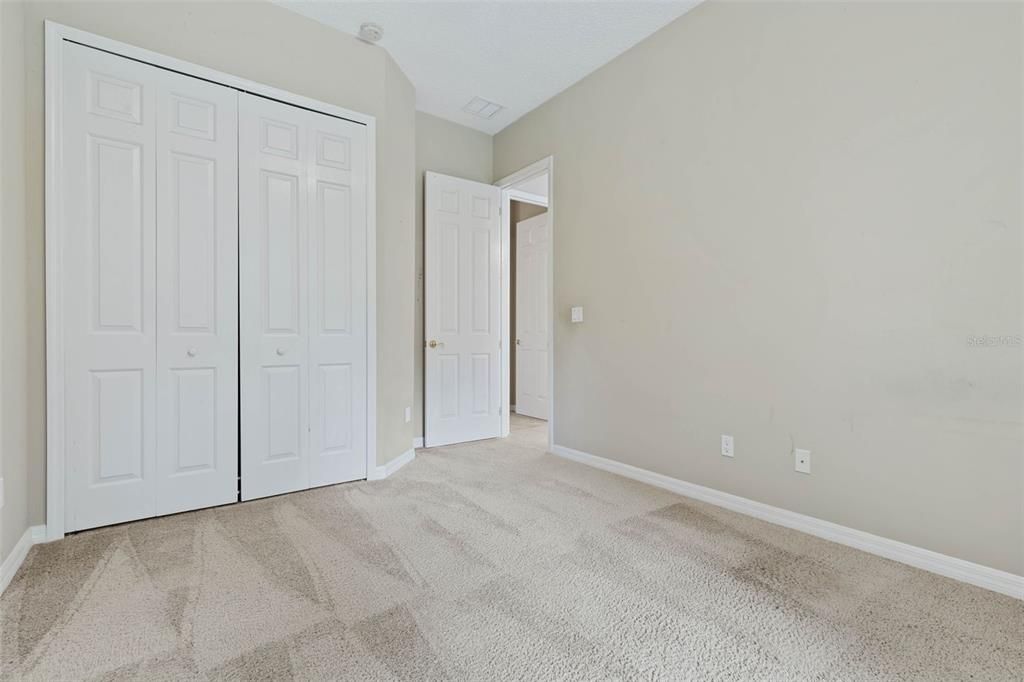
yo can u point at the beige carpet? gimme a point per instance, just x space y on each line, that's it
489 561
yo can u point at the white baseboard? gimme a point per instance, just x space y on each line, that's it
32 536
951 567
417 442
385 470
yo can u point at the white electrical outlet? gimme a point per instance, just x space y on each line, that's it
408 415
727 450
802 460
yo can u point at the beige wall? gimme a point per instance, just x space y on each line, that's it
452 149
518 212
254 40
785 220
14 349
396 265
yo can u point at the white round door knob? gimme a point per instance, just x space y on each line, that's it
192 352
281 351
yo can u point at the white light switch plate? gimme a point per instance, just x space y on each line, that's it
727 450
408 415
802 460
576 313
1 493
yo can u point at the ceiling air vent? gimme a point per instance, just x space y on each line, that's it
481 108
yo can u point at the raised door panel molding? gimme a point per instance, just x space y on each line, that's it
115 98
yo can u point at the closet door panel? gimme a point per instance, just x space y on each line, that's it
273 186
303 187
337 286
108 241
197 294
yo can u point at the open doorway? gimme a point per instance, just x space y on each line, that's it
527 298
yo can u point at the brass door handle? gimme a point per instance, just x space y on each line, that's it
435 344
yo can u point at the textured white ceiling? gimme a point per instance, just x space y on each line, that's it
516 53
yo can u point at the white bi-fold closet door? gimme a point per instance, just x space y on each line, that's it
150 293
302 180
154 191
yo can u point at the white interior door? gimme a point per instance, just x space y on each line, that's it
463 308
533 251
148 242
302 188
197 293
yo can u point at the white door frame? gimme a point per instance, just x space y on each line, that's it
508 193
56 34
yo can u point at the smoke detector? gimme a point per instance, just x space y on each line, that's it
371 32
